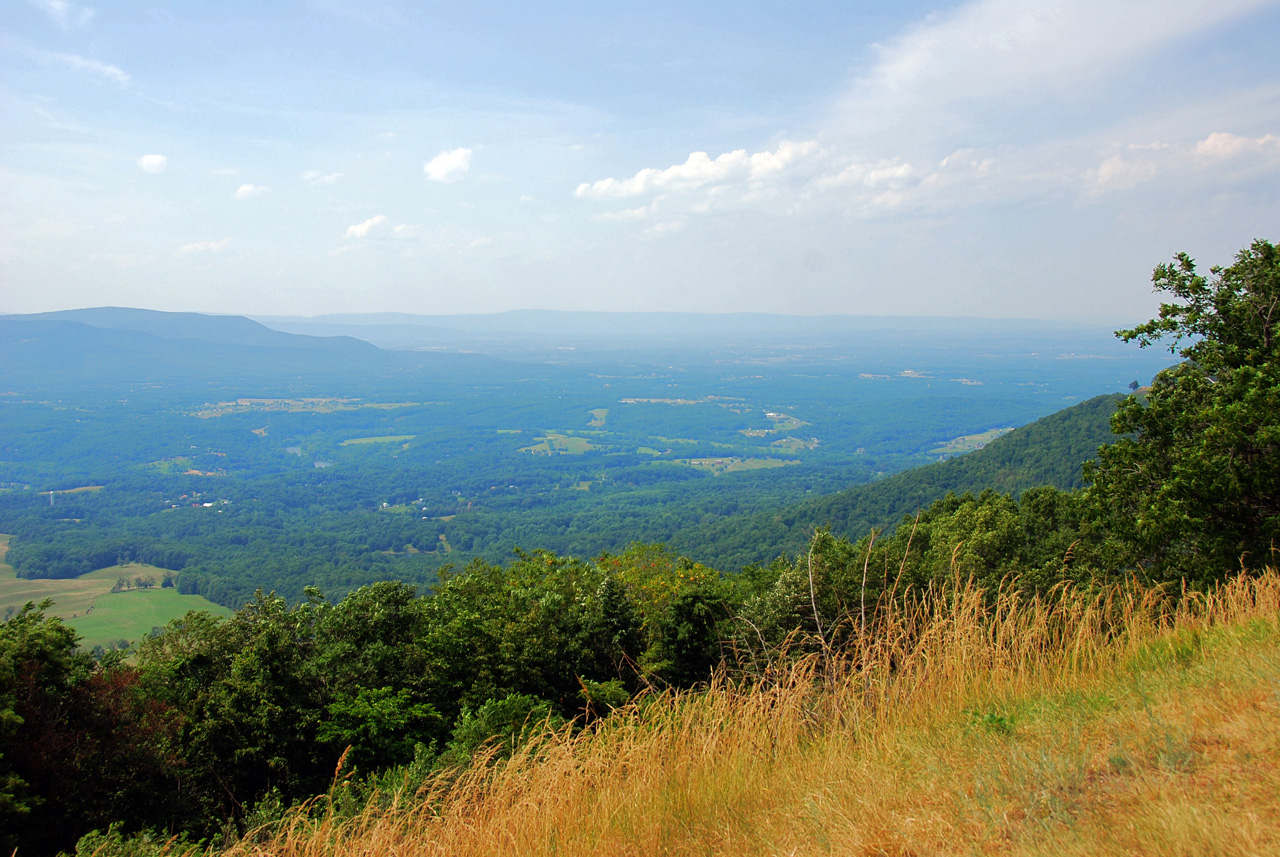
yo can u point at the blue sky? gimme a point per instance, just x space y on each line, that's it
1000 158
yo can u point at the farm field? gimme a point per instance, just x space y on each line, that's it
87 603
391 438
553 444
716 466
969 442
130 614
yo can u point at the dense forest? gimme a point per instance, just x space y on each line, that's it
210 727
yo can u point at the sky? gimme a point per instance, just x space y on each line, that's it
995 158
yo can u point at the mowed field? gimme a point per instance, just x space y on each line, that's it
89 606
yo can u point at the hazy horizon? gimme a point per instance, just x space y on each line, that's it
989 159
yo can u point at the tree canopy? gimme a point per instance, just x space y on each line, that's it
1193 486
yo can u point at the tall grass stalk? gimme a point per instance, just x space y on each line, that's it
906 741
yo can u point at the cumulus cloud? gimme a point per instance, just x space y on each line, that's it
1220 157
315 177
448 166
1221 144
65 14
153 163
204 247
249 191
700 170
360 230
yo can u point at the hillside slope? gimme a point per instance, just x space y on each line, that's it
1049 451
1078 726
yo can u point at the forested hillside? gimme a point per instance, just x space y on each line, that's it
1049 452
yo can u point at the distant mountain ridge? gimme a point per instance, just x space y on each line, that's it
540 321
404 330
115 345
218 329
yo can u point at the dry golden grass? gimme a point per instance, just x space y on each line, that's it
1124 722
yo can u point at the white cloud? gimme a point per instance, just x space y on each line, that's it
315 177
1221 144
404 230
448 166
360 230
700 170
626 214
1120 173
204 247
1221 158
885 172
153 163
249 191
665 226
65 14
78 63
996 47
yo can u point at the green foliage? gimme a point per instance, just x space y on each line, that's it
1195 490
379 724
80 744
601 697
116 843
498 727
1048 452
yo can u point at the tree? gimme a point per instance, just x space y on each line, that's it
1193 487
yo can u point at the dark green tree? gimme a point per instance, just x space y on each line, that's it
1193 489
80 745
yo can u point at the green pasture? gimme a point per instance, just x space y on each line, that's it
598 417
390 438
559 444
87 603
181 464
132 613
794 443
785 422
716 466
969 442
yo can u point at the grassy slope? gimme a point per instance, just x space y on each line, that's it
1120 726
99 615
131 614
